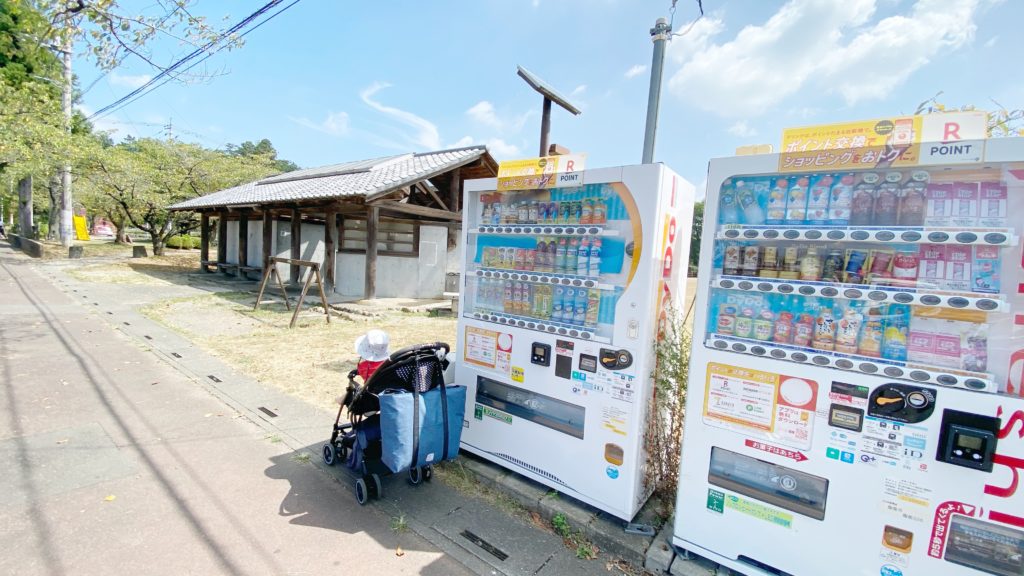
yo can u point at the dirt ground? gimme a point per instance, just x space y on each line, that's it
310 361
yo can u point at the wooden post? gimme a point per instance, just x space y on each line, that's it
293 275
370 285
268 238
222 237
243 242
204 242
456 191
330 247
545 126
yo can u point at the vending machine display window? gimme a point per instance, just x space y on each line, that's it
893 272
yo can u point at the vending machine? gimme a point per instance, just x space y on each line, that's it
854 396
564 292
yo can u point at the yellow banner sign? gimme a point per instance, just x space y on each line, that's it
880 143
81 229
546 172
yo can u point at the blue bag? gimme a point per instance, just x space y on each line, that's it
398 443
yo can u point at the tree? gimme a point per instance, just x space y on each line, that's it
1002 121
110 33
698 227
143 177
264 148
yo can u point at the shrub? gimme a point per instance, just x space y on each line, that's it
183 242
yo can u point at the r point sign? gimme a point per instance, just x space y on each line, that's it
953 138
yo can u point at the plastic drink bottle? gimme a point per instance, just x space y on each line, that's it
870 341
572 255
776 213
587 215
803 331
783 328
579 317
533 213
796 201
507 304
763 325
560 253
583 257
595 257
824 330
568 305
848 331
556 304
593 308
745 323
747 200
862 208
600 211
727 206
887 203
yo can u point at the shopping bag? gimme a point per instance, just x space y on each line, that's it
398 441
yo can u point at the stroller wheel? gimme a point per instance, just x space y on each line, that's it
428 472
378 488
330 454
362 492
415 475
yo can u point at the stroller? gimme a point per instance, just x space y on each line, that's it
378 439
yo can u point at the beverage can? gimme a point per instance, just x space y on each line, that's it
593 308
745 323
731 260
563 212
587 213
832 269
726 323
763 326
751 260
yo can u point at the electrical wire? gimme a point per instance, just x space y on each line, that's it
166 75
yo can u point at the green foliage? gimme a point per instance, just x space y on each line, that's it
561 525
261 148
664 435
144 177
1002 121
575 540
695 232
183 242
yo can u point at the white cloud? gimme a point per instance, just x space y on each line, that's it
426 134
483 113
496 146
991 41
536 3
501 149
636 70
742 129
128 80
335 124
820 45
579 90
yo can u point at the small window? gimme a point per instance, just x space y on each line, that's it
394 237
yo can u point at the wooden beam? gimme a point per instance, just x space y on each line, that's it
423 188
293 275
222 237
455 190
370 284
330 247
204 241
417 210
268 237
243 242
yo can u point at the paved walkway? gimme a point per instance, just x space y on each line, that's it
130 450
117 463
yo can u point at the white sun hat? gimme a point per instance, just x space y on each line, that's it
373 346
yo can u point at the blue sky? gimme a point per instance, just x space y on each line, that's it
329 81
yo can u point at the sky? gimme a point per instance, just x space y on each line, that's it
329 81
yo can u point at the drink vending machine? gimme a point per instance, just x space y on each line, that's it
564 290
854 398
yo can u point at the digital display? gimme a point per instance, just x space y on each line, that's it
784 487
969 442
528 405
588 363
538 351
990 548
846 417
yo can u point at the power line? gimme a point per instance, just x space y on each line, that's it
166 75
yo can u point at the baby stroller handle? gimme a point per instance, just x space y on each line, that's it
416 348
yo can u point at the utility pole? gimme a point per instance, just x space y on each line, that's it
659 35
67 47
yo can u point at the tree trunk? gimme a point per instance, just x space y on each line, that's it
52 233
67 230
25 224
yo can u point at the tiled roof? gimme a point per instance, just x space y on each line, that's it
360 178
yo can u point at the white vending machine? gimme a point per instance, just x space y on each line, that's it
854 399
564 290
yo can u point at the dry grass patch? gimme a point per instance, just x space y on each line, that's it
157 270
310 361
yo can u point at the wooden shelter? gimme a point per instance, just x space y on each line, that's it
331 213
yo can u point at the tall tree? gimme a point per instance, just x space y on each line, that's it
109 33
263 148
144 177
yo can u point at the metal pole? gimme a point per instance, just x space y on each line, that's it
659 35
66 228
545 127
